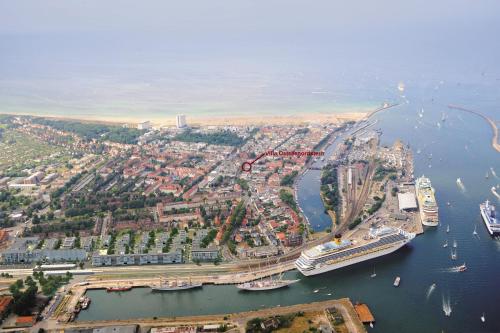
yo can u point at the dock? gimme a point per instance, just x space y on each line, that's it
364 313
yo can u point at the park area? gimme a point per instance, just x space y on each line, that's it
19 151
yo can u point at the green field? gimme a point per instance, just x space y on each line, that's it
19 151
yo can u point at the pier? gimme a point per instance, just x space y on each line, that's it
494 140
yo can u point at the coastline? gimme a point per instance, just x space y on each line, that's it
236 120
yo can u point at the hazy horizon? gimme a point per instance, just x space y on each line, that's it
238 57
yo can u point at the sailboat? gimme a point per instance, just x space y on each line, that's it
448 228
454 243
266 284
474 232
374 274
483 318
445 244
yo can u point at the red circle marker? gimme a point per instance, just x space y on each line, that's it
246 166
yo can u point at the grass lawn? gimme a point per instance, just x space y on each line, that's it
302 323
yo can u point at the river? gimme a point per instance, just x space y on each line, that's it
460 147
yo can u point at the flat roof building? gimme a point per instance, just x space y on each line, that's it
407 201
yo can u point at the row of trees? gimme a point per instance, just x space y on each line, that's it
289 179
235 221
330 189
288 198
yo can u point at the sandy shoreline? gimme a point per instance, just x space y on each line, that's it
292 119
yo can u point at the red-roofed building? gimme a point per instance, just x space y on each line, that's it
25 321
217 221
274 180
189 194
4 304
293 239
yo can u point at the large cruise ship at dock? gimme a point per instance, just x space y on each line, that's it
340 253
427 202
490 219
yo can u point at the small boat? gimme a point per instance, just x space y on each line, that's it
453 255
397 281
373 274
371 324
454 243
483 318
445 244
462 268
112 289
448 203
84 302
448 228
475 231
315 291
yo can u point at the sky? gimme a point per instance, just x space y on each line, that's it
112 57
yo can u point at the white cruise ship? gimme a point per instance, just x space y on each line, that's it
490 219
427 202
340 253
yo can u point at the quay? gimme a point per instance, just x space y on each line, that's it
239 320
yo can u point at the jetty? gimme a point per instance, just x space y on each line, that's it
494 140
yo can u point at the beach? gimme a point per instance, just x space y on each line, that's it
237 120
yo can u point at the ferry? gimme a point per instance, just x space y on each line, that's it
166 285
427 202
341 253
488 214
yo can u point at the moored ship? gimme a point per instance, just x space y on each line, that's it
265 284
427 202
341 253
488 214
112 289
166 285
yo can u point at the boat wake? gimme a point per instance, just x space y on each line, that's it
446 306
494 173
461 185
495 193
430 291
